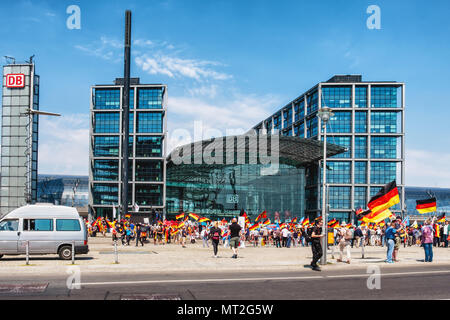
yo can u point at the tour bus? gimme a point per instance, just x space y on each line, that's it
45 229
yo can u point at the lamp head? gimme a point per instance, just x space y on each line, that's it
325 114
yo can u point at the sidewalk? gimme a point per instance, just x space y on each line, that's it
195 258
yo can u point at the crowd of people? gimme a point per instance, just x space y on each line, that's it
391 235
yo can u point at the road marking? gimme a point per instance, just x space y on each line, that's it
391 274
254 279
195 280
23 288
150 297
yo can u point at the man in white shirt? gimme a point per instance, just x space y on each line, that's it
285 233
445 233
204 236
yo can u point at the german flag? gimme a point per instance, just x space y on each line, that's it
334 224
331 222
385 198
441 219
203 219
381 224
294 220
266 223
362 215
305 222
263 215
181 215
379 216
254 227
127 216
194 216
426 206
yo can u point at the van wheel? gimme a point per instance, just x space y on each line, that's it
65 253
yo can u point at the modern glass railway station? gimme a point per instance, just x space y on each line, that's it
241 180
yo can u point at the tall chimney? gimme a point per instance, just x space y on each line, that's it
126 113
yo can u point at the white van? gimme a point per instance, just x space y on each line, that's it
48 229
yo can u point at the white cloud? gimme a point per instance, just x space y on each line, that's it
204 91
64 145
427 168
174 67
238 113
106 49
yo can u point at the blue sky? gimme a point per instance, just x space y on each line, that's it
232 63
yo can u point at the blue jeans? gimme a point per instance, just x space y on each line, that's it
428 247
390 249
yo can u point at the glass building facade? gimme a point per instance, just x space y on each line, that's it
63 190
147 148
369 121
19 145
221 189
222 192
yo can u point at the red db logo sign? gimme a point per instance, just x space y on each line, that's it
15 80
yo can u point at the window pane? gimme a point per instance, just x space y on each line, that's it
149 122
38 225
383 147
9 225
150 98
149 147
361 97
360 172
107 99
337 97
384 122
312 103
106 146
384 97
345 142
361 122
107 122
341 122
67 225
106 170
338 172
360 147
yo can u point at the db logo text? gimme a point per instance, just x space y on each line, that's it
15 80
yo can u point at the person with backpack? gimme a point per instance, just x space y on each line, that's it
345 236
427 240
215 233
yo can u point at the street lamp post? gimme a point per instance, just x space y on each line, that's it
324 114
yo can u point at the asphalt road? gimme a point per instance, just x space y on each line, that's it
418 282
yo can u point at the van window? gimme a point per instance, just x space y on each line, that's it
9 225
67 225
37 225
